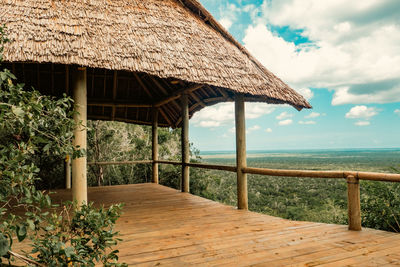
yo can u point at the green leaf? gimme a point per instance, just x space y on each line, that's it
31 224
4 245
69 251
18 111
21 232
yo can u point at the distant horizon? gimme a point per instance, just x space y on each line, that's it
302 149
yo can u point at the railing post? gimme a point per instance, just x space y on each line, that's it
241 152
353 203
185 143
79 175
154 131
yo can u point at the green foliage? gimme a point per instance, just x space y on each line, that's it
116 141
319 200
33 125
380 205
81 239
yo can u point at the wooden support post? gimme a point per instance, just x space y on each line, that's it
353 203
79 179
185 143
115 84
241 152
155 144
68 172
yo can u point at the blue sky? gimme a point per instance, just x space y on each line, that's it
343 56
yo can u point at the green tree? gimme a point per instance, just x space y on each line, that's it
30 125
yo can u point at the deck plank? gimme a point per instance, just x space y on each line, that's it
161 226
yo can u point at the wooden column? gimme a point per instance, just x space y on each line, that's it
68 172
155 144
353 203
79 180
241 152
185 143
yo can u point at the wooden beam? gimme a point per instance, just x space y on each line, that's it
177 95
214 99
169 162
143 85
213 167
185 143
115 84
163 90
197 99
164 115
224 94
119 105
154 131
241 152
195 106
294 173
166 100
353 203
178 121
79 165
99 117
120 162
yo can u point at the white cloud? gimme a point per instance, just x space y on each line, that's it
355 48
214 116
226 23
397 111
224 114
343 95
252 129
312 115
256 110
306 92
268 130
362 123
209 124
284 115
361 112
286 122
307 122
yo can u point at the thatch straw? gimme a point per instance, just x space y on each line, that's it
165 38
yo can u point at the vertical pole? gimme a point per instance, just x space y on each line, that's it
353 203
185 143
79 180
115 84
155 144
68 172
241 152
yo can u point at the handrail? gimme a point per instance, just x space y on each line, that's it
352 179
170 162
213 167
200 165
374 176
120 162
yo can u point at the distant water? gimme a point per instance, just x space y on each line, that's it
316 159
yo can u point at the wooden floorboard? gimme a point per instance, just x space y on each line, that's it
161 226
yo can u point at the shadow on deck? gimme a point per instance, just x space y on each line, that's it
161 226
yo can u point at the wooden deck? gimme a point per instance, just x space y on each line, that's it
161 226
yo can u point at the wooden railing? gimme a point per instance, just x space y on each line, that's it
352 179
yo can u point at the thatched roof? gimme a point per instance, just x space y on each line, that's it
176 43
